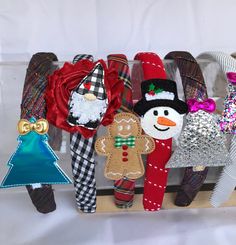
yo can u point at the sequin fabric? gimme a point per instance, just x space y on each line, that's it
228 120
200 143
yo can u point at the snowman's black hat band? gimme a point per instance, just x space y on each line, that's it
156 87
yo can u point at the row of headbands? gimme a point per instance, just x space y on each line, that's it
213 153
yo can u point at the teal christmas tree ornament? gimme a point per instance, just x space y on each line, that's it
34 161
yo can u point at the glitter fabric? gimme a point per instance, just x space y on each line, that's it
200 143
228 120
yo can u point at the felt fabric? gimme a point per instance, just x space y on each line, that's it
83 165
156 173
124 188
194 87
84 112
166 97
124 158
33 104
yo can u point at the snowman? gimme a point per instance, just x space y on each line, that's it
161 113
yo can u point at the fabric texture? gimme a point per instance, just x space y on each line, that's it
227 180
93 86
156 174
124 188
83 165
33 104
166 97
194 87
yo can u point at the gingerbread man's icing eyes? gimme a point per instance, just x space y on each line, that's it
124 127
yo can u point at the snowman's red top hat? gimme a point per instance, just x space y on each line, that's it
159 92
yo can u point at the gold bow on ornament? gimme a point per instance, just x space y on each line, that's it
41 126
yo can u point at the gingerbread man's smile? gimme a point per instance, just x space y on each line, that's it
124 135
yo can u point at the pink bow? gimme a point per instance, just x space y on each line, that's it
231 76
207 105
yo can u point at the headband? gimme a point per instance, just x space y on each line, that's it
198 150
123 188
33 105
201 143
161 114
227 181
83 164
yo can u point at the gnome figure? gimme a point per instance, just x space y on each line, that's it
88 102
161 114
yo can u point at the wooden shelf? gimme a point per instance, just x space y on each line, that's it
106 203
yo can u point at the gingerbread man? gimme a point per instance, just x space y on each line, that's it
123 147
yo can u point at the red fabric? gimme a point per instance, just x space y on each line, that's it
66 79
152 65
156 174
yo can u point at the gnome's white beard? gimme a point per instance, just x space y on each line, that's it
86 110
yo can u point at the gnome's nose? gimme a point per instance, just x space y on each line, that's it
165 121
90 97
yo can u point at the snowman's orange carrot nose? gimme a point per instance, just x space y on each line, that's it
165 121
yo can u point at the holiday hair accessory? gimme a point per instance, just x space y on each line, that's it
123 188
201 143
161 113
33 105
227 122
82 96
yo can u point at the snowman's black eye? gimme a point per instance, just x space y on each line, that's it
166 112
155 113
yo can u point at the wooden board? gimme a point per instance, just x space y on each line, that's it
106 203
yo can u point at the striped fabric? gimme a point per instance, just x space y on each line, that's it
227 181
124 188
194 87
124 193
33 104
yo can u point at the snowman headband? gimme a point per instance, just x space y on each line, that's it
201 142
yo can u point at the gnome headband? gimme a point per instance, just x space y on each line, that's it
201 142
227 181
82 96
88 102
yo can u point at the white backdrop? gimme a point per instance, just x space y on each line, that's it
100 27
